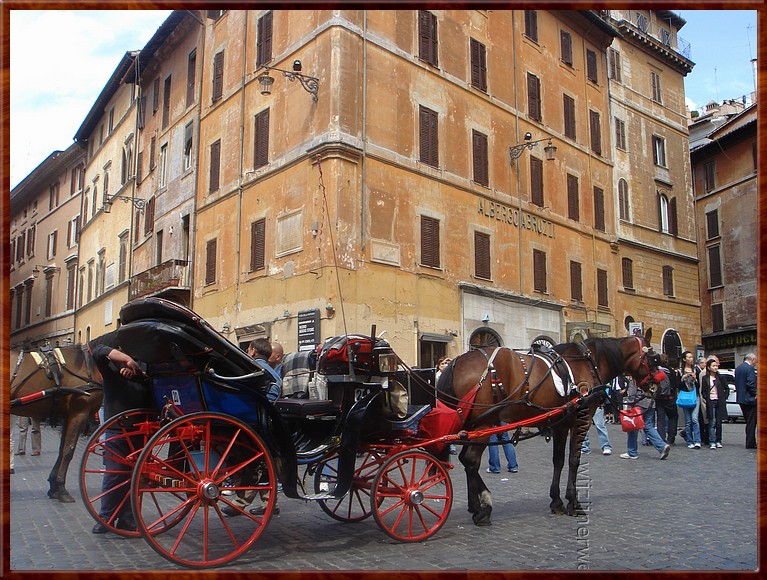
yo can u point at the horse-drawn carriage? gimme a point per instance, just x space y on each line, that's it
374 445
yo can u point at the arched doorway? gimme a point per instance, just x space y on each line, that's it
671 346
484 337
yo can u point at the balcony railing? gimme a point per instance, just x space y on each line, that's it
172 274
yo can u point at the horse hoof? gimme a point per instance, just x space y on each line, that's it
481 518
53 494
65 497
557 511
575 512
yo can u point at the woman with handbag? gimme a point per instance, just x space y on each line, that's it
635 397
714 391
689 401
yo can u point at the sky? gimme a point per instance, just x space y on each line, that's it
62 59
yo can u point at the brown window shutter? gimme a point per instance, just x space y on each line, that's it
430 242
573 203
482 255
717 317
258 245
155 95
712 224
478 65
215 165
673 223
479 155
427 37
210 261
534 97
536 181
539 271
602 299
191 71
569 107
599 209
627 267
668 281
591 66
566 45
218 75
139 165
576 282
596 132
429 145
264 40
531 24
261 140
166 103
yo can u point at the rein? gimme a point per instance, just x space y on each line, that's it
55 375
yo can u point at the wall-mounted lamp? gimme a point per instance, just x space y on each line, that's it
515 151
286 313
137 202
454 333
311 84
486 318
226 328
330 309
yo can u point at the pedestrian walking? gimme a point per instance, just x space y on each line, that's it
604 439
687 383
636 397
745 387
37 439
494 459
714 392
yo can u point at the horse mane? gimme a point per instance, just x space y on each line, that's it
608 347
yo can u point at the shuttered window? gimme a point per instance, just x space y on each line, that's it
620 134
576 281
623 199
210 261
258 245
478 65
166 103
599 209
659 151
569 115
539 271
264 40
149 216
614 58
430 242
656 89
573 203
592 71
139 166
531 24
482 255
673 222
533 97
191 73
218 76
215 165
627 268
717 317
152 151
427 37
709 175
566 43
602 299
714 267
668 281
596 132
479 157
429 145
261 140
155 96
536 181
712 224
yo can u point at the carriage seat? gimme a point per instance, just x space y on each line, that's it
304 408
414 415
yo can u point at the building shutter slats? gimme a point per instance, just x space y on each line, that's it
429 144
482 255
573 204
536 181
480 159
596 132
602 298
430 242
258 245
576 282
261 141
210 261
218 75
599 209
539 271
534 96
215 165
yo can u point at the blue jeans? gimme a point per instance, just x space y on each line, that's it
494 460
115 485
649 431
599 423
714 423
691 425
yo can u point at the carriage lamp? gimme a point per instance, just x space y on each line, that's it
515 151
137 202
387 363
311 84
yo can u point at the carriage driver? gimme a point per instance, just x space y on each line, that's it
125 388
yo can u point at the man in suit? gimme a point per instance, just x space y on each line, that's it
745 388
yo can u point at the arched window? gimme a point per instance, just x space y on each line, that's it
484 337
623 199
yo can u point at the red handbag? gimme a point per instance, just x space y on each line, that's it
632 419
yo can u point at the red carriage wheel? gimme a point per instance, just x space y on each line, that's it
412 496
111 453
355 505
190 473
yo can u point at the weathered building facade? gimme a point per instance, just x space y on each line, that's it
725 178
44 232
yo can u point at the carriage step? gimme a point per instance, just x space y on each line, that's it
319 496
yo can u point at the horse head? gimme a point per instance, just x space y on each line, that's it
643 361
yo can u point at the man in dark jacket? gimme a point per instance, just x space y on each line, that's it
745 388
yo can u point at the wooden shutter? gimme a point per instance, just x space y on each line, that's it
709 175
573 203
258 245
536 181
576 282
166 103
261 140
149 216
531 24
478 65
215 165
712 224
430 242
668 281
627 267
602 299
673 223
717 317
482 255
210 261
139 165
218 75
427 37
620 134
264 40
152 151
599 209
533 97
596 132
191 71
539 271
479 156
155 95
591 66
429 145
615 64
567 47
569 115
656 89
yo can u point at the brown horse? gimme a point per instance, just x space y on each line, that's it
57 383
511 387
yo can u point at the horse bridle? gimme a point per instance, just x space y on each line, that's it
647 352
61 367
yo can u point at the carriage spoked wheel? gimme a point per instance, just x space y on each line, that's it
107 465
355 505
412 495
203 468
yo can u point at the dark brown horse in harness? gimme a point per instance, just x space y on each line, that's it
493 385
57 383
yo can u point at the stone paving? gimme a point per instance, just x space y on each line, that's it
697 510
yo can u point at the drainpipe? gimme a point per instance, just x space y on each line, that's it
519 173
238 237
193 215
134 170
363 173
